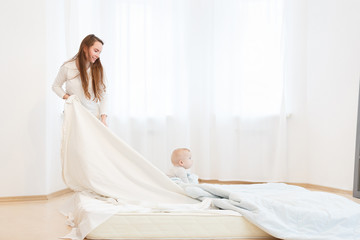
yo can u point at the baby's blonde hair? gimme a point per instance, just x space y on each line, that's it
176 155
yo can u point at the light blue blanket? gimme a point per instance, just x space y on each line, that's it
286 211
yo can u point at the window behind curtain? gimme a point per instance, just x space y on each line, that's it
200 74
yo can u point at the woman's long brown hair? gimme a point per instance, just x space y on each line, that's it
97 72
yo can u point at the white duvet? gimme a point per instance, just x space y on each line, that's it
113 177
285 211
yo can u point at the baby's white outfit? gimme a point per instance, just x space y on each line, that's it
70 75
180 173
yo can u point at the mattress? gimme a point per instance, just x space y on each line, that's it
176 226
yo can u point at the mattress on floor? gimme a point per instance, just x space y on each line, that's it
176 226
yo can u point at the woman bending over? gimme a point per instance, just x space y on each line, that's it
84 77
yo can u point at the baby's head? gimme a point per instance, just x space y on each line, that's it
181 157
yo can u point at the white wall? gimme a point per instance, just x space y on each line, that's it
55 56
323 125
30 132
22 66
333 84
296 88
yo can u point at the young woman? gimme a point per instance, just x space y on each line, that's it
84 77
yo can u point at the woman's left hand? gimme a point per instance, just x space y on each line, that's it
103 118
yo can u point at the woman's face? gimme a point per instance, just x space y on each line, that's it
94 52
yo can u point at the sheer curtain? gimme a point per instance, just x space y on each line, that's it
204 74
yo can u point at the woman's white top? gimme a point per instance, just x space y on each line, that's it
70 75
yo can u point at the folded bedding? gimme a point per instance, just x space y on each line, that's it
286 211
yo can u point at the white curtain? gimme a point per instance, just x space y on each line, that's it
203 74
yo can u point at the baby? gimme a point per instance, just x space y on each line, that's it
182 162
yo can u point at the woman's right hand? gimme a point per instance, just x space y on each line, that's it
66 96
103 118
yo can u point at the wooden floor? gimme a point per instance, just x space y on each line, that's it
33 220
41 220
